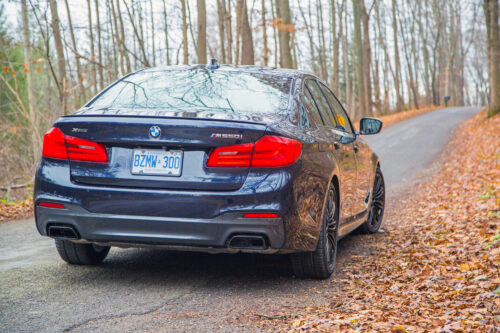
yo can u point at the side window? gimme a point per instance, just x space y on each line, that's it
343 122
311 107
321 102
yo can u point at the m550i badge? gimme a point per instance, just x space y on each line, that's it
226 136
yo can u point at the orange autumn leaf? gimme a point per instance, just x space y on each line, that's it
6 69
37 69
14 73
26 70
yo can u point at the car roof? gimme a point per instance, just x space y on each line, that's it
283 72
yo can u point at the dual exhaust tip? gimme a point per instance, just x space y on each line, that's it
248 242
62 232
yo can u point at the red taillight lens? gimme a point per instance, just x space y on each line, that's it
51 205
57 145
261 215
269 151
54 145
275 151
85 150
236 156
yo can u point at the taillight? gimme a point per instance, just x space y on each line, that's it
54 145
57 145
269 151
236 156
275 151
85 150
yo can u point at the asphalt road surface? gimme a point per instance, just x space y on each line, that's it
158 290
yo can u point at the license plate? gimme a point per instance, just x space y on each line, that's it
157 162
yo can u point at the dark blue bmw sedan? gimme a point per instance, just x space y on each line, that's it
210 158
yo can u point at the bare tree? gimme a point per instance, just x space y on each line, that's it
221 16
99 45
184 33
33 116
491 8
264 33
397 73
359 57
247 52
202 31
284 29
61 63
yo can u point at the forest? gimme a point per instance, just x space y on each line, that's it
379 57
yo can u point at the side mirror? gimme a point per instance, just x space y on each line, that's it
369 126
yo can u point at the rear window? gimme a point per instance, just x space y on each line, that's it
199 89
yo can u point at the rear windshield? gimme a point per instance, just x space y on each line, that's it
199 89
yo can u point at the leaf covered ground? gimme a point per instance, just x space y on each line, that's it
435 266
15 210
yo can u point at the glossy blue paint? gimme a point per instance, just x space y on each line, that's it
106 193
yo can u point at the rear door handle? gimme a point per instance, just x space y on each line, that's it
356 148
337 145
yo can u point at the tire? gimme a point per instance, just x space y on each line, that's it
377 206
320 263
81 254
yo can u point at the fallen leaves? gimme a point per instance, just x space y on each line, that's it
436 267
15 210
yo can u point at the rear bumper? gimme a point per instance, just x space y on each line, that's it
198 219
159 231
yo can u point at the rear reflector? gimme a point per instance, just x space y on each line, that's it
51 205
57 145
269 151
261 215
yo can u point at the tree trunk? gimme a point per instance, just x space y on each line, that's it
247 53
221 15
99 46
366 59
347 72
229 31
185 45
138 34
239 9
264 33
92 50
61 63
33 115
275 38
202 31
359 57
283 11
122 32
153 48
493 38
397 70
165 28
121 51
77 58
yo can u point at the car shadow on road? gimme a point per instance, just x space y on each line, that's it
164 267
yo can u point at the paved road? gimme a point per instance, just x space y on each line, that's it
145 289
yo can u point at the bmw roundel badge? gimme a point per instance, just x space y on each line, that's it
155 131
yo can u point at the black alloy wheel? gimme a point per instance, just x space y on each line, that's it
321 262
377 206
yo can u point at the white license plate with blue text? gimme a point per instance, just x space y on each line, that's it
157 162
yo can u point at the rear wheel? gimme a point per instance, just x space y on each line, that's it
377 206
81 254
321 262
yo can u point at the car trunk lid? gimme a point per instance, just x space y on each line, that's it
194 137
